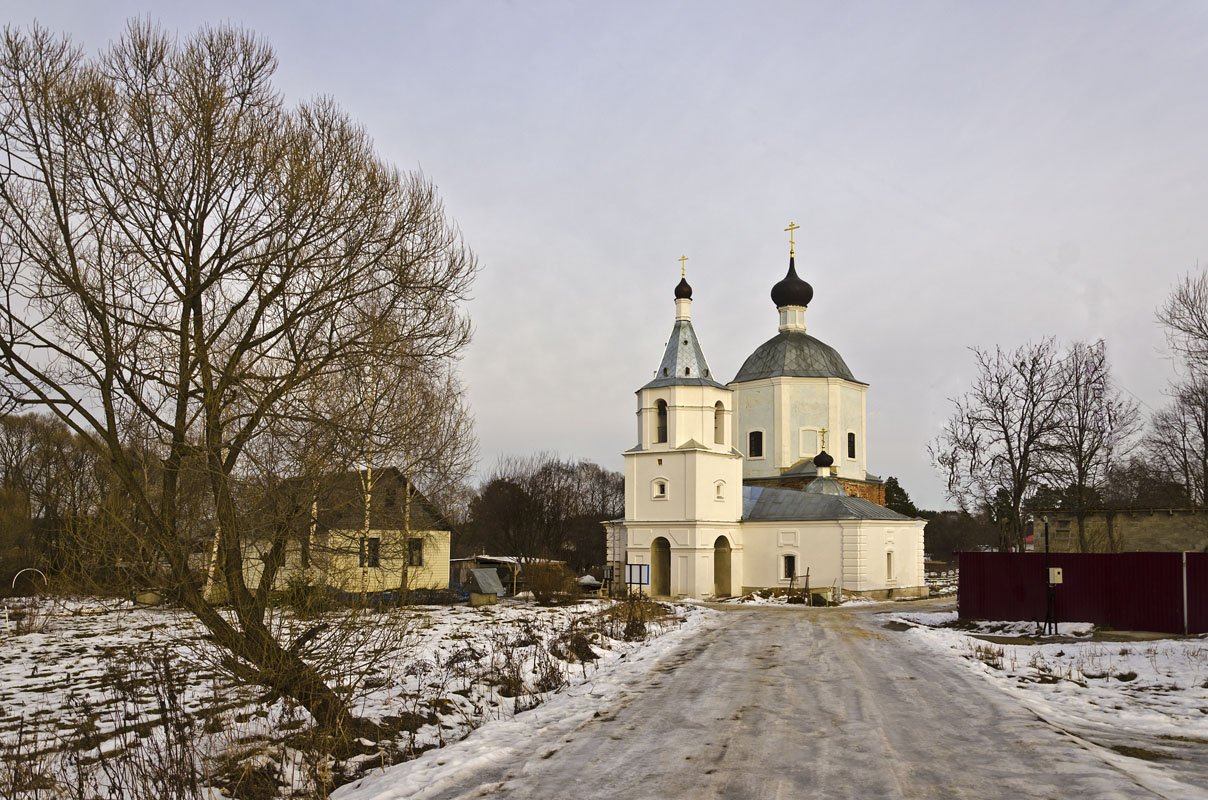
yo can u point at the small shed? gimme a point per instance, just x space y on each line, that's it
484 587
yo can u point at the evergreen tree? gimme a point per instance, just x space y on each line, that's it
896 498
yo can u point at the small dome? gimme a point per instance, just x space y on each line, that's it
823 459
682 290
825 486
791 290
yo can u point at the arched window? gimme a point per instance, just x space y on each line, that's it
851 445
658 489
719 423
719 490
755 444
660 410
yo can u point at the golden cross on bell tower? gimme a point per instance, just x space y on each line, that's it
683 269
823 432
792 244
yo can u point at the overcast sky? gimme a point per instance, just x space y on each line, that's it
964 174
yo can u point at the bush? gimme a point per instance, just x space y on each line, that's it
551 583
306 598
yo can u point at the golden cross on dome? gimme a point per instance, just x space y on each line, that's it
683 269
792 244
823 432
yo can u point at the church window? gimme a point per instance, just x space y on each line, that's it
790 567
687 370
889 566
720 490
660 411
719 423
665 371
851 445
659 490
755 444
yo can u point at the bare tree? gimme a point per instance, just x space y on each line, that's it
1000 440
1095 421
541 506
183 260
1185 315
1179 444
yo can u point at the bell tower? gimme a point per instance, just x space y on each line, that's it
683 480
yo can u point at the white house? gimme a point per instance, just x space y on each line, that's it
730 488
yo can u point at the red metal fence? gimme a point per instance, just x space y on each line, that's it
1125 591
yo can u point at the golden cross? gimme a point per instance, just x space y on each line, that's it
683 270
792 244
823 432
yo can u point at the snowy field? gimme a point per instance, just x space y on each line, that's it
101 693
1139 701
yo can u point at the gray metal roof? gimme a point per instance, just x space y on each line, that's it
487 581
793 354
770 503
683 362
825 485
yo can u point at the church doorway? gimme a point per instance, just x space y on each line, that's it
721 567
660 567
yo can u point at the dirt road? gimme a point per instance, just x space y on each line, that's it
788 702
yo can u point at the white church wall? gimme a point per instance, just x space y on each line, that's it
851 420
816 545
884 559
753 410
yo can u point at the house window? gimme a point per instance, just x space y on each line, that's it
660 411
415 552
755 444
851 445
719 423
790 567
371 551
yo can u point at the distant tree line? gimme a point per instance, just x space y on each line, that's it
543 507
1045 427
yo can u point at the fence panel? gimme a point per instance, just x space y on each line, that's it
1127 591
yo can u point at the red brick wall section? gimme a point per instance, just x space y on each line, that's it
873 492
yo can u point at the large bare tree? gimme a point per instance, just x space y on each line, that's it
1096 422
185 260
999 442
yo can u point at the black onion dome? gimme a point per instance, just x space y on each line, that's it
791 290
682 290
823 459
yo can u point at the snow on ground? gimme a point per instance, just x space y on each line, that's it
99 679
1142 697
519 738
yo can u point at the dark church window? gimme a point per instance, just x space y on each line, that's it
755 444
719 423
660 410
851 445
687 370
790 567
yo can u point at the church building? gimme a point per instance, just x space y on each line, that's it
731 488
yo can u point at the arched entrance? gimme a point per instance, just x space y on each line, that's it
721 567
660 567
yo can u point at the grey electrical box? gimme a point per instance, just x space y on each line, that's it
1054 576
